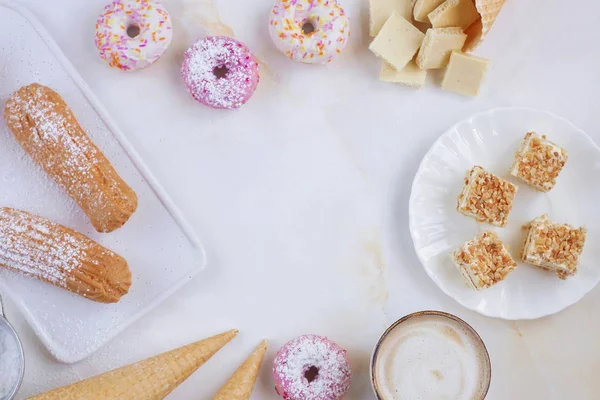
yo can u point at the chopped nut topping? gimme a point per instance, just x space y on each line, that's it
486 258
553 246
538 162
488 198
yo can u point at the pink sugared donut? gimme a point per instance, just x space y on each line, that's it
311 367
220 72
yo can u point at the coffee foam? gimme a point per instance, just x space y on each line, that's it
431 357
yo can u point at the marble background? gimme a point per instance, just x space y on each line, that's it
302 195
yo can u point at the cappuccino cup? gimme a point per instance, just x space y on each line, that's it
430 355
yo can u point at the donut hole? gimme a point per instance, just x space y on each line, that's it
308 27
311 373
220 72
133 30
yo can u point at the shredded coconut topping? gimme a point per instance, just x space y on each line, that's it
239 66
298 356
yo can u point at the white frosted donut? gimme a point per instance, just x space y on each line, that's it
310 31
132 34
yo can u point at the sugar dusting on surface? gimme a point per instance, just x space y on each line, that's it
10 362
230 91
304 352
27 245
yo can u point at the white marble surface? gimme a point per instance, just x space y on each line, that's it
302 195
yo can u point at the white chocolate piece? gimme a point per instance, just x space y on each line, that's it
461 13
397 42
465 73
381 10
410 75
423 8
438 45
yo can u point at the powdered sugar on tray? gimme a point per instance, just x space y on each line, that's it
328 361
10 362
220 72
71 327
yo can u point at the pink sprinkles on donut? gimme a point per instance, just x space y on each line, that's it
311 367
220 72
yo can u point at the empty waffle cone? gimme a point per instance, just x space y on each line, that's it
151 379
241 383
488 10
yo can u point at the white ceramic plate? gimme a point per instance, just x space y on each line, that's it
161 249
490 139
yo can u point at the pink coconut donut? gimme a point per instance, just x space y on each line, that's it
311 367
220 72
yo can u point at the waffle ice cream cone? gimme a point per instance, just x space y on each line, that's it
241 383
150 379
488 10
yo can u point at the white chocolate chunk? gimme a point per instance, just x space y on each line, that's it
438 45
410 75
397 42
461 13
423 8
465 73
381 10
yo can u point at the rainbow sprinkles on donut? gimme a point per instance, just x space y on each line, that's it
309 31
133 34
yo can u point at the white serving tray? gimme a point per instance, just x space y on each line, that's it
162 251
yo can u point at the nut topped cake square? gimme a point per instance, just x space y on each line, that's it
538 162
486 197
483 261
553 246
